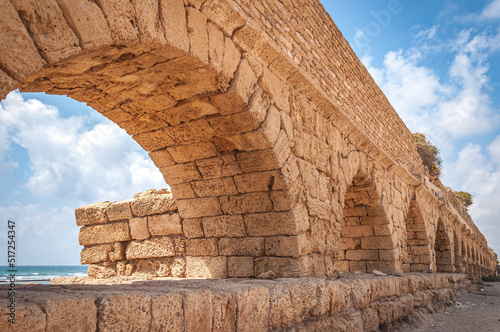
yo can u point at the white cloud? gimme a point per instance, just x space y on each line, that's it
444 111
494 149
475 172
492 10
43 236
72 161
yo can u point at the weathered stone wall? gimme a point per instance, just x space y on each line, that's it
306 304
269 131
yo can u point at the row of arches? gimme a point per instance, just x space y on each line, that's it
369 240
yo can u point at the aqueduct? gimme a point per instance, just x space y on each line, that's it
281 152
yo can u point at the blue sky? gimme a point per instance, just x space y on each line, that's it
438 62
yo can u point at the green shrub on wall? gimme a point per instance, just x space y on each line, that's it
429 154
464 197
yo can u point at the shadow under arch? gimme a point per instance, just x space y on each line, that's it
442 248
417 257
366 237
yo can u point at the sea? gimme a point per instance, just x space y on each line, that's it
40 274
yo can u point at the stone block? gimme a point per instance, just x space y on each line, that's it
165 224
288 246
173 20
69 313
370 320
197 33
304 299
254 182
359 211
358 266
379 242
181 173
92 214
147 14
389 255
253 309
356 231
258 161
139 228
215 46
118 251
186 153
182 190
120 16
349 243
40 30
88 22
29 317
283 267
381 230
206 267
419 250
198 310
119 210
360 290
124 312
278 89
280 307
246 203
199 207
277 223
341 297
161 158
225 16
107 233
154 140
18 54
362 255
152 202
167 312
154 247
386 267
224 226
224 311
218 167
215 187
236 123
284 200
95 254
192 228
102 270
201 247
247 246
240 267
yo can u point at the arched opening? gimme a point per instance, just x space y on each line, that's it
417 258
66 155
443 249
366 241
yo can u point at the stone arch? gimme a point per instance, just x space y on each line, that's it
443 249
417 257
366 241
173 77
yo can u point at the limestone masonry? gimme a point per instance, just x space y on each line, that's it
281 152
283 157
299 304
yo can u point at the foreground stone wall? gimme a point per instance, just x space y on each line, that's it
306 304
284 149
